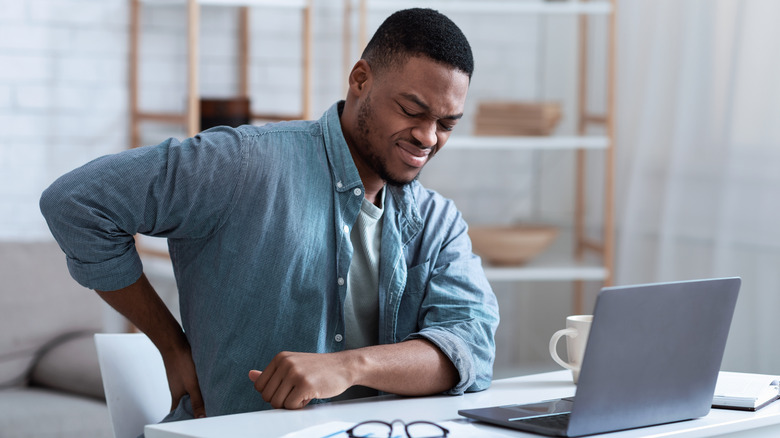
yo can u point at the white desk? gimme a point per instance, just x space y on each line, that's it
274 423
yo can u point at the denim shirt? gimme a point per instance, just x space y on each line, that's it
258 224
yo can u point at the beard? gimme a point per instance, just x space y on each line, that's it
366 151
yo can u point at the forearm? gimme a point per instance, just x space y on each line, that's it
142 306
414 367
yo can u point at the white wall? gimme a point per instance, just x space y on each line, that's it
64 100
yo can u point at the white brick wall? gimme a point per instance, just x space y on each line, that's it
63 93
62 98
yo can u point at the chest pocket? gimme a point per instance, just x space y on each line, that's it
409 310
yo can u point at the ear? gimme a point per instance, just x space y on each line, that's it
360 77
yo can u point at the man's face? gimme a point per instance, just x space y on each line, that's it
405 115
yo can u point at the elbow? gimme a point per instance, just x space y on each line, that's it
55 204
481 383
49 203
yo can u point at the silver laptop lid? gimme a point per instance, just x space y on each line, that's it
663 341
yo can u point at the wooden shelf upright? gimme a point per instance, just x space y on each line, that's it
191 117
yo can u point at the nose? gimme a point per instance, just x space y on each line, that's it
425 133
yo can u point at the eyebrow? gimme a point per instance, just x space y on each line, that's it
426 108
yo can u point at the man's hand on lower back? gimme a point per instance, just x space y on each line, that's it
182 379
292 380
142 306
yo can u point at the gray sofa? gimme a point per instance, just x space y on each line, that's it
49 375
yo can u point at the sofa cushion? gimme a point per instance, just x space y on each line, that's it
38 301
70 365
43 413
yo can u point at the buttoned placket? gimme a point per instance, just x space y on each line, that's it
356 200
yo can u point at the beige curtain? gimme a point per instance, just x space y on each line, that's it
699 156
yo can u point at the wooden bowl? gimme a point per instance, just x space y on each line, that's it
511 245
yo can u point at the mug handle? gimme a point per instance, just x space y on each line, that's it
570 332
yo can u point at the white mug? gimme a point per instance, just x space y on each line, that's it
576 332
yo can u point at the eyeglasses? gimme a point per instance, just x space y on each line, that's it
415 429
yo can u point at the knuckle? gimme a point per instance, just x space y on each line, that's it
284 355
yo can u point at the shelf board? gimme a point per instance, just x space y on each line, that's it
563 273
556 263
524 7
541 142
286 4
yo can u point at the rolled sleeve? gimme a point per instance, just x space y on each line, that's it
80 216
172 190
460 317
459 311
109 275
459 354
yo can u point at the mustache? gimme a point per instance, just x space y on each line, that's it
414 142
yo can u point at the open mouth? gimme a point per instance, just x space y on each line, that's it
412 155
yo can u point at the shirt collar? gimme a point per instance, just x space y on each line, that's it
342 166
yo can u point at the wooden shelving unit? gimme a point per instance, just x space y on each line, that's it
192 8
570 258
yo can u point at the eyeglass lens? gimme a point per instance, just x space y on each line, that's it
372 429
424 429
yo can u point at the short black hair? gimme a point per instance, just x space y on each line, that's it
415 32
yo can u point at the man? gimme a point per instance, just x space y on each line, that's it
306 253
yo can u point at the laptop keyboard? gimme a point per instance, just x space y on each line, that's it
555 422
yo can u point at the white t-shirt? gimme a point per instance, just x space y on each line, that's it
361 305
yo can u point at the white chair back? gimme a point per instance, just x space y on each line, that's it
134 380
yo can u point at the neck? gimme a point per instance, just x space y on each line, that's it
374 195
372 183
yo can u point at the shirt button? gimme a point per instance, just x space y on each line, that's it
339 338
346 229
339 184
357 192
341 281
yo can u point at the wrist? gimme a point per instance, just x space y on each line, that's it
355 365
170 342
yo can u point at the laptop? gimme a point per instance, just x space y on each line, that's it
652 357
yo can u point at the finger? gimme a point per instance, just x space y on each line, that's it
297 399
196 400
280 396
254 375
272 385
264 377
175 398
177 392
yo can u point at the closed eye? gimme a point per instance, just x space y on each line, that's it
446 126
408 113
